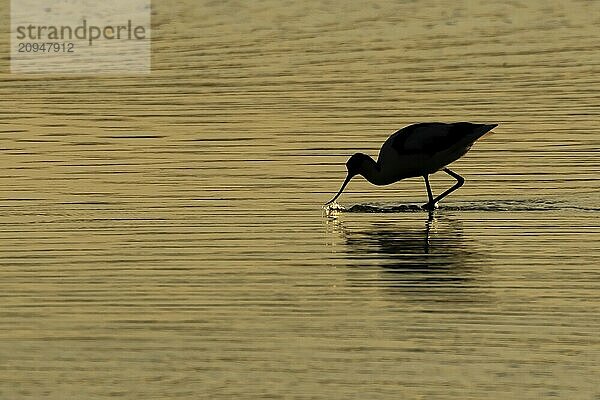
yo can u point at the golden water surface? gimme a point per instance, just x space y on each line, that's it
161 236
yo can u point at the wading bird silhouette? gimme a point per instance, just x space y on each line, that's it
417 150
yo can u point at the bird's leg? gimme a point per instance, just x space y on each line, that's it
459 182
429 194
431 204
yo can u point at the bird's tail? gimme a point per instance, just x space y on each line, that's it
481 129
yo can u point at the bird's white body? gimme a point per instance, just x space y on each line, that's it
417 150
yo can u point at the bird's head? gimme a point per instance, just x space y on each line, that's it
354 165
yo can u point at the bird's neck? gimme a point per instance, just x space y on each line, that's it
372 172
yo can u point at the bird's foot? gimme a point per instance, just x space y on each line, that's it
429 206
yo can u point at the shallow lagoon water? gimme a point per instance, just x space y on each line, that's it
163 236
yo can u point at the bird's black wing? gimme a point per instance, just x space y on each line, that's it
433 137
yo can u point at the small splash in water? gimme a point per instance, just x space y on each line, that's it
333 209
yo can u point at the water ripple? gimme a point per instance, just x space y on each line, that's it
484 205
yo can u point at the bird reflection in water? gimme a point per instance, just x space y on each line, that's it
427 260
